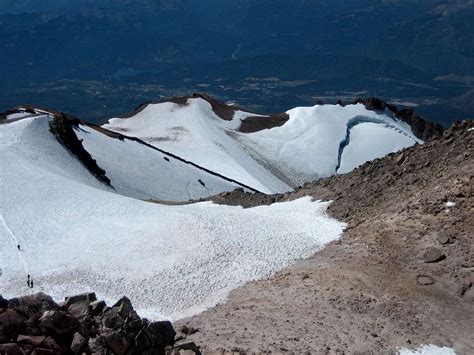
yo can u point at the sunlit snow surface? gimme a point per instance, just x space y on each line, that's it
138 171
305 148
428 350
308 146
194 132
172 261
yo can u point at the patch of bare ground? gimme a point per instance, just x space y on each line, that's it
401 275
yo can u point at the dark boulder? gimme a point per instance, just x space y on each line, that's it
59 322
188 348
31 340
124 306
88 327
12 324
10 349
142 340
3 302
50 343
79 310
33 325
433 255
43 351
33 304
97 345
112 318
161 333
97 307
84 297
78 343
118 342
444 239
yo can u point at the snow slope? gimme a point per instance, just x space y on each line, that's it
368 141
196 133
138 171
315 142
172 261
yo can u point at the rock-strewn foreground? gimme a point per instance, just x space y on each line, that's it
401 276
82 324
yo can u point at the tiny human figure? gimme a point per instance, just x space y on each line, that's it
28 283
19 247
31 283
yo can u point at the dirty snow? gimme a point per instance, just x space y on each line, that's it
172 261
428 350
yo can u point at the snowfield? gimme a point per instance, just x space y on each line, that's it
194 132
315 142
138 171
79 235
428 350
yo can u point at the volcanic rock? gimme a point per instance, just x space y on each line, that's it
59 322
97 307
31 340
84 297
78 343
424 280
433 256
11 324
10 349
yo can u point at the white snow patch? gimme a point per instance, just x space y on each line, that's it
17 115
450 204
369 141
77 235
428 350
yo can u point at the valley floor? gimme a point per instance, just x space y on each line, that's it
400 277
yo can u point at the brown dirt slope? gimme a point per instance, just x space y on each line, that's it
401 275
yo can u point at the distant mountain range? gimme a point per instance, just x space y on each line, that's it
96 58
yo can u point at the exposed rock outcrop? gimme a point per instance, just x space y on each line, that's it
422 129
62 127
37 325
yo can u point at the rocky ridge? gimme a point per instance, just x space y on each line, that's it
82 324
